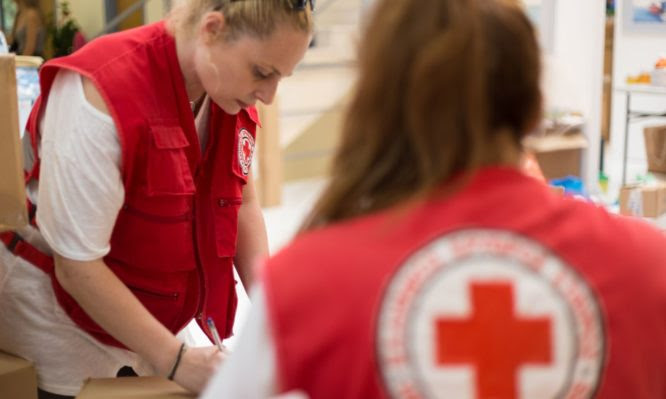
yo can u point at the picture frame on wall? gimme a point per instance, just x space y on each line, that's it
645 16
542 14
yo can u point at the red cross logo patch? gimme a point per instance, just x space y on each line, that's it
245 150
489 314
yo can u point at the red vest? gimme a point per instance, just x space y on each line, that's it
388 305
175 237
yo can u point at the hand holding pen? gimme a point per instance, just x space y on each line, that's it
216 336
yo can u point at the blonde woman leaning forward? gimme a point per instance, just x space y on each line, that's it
140 179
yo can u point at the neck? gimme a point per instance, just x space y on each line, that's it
185 52
503 150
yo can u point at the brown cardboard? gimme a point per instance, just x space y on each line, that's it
558 155
655 148
13 212
645 201
133 388
18 379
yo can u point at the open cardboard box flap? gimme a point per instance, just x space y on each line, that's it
13 212
133 388
18 379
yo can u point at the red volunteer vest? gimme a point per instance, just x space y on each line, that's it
504 290
175 237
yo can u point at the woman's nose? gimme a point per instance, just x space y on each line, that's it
266 94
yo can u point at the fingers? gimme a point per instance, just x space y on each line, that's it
225 351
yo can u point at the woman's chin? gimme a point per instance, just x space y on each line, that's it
230 107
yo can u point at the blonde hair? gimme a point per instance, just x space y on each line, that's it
258 18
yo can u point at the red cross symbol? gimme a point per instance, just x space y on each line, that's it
493 340
247 150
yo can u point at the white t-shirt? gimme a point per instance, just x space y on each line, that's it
79 195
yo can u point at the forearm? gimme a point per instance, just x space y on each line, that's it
113 306
252 241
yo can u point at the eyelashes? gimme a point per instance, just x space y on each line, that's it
259 74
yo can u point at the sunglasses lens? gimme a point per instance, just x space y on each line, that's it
301 4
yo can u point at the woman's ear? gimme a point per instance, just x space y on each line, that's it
213 27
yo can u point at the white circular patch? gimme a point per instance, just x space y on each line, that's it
487 313
245 150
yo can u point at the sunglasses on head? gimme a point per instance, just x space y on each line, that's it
296 5
299 5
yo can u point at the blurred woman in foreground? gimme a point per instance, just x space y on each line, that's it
432 266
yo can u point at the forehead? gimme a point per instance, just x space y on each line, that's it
281 49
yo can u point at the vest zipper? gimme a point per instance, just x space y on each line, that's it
224 202
202 279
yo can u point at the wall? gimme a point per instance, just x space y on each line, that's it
155 10
633 53
89 14
573 70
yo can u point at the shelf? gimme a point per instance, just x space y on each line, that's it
632 115
642 89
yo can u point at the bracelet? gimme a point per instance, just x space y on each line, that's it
175 365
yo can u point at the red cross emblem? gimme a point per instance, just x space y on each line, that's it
459 319
494 340
245 150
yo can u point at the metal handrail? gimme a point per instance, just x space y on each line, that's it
118 19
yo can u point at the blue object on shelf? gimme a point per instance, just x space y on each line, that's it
572 185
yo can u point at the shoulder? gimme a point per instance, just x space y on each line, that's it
633 244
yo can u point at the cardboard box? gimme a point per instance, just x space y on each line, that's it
558 155
18 379
13 212
644 201
655 148
133 388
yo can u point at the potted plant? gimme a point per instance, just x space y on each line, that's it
62 32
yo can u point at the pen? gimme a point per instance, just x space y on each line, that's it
216 335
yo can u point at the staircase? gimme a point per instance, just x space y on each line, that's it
312 100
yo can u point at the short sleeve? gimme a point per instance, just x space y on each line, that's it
80 188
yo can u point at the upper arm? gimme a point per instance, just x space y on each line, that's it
80 187
249 190
93 96
33 24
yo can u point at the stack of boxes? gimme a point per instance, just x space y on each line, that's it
648 199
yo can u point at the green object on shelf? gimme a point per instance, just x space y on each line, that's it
603 182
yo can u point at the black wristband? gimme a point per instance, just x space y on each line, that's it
175 365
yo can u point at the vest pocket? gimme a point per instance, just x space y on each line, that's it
168 169
226 225
152 241
165 305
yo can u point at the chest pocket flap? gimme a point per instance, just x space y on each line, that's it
168 168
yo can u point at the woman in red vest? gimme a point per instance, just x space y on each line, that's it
140 170
432 265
